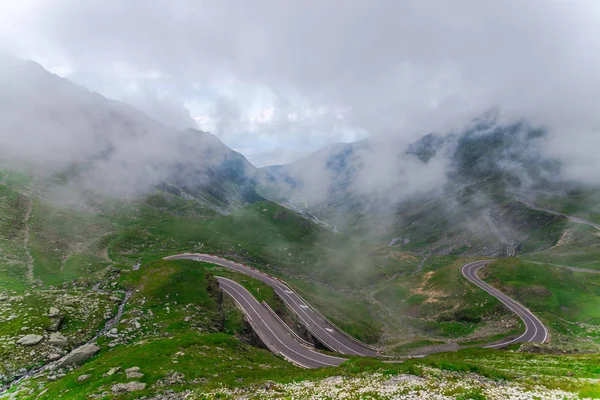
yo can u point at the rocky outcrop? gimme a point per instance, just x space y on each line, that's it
127 387
30 340
78 356
57 339
53 312
56 319
133 372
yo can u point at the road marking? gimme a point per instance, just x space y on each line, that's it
308 326
273 333
292 303
329 330
265 278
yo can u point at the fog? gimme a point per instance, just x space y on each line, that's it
314 73
63 134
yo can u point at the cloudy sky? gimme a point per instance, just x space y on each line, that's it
276 79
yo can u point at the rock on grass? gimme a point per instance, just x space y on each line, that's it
30 340
57 339
127 387
78 356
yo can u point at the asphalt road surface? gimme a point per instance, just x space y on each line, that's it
535 331
281 341
529 204
574 269
271 331
321 328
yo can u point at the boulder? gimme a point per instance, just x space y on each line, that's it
30 340
112 371
78 356
113 333
83 377
3 296
57 339
55 377
55 323
53 312
133 372
127 387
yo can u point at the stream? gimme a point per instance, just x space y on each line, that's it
110 323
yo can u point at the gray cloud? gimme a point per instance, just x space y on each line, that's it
165 107
396 69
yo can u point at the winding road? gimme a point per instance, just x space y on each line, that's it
521 198
535 331
280 340
320 327
272 332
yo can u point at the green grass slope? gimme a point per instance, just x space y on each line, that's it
13 253
264 234
440 306
568 302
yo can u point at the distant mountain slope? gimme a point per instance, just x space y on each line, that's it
206 166
63 134
318 177
433 192
505 154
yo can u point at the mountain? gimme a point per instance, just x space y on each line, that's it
95 194
318 177
206 166
434 192
65 135
505 154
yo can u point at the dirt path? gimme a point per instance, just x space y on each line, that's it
26 241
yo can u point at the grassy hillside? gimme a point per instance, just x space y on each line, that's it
187 342
13 253
567 301
440 306
264 234
352 281
578 246
582 202
66 244
185 335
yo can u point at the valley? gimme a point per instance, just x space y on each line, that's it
145 260
437 306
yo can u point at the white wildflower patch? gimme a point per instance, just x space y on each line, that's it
434 384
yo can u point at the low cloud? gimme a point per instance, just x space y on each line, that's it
390 70
57 130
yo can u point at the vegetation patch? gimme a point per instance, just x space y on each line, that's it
567 301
